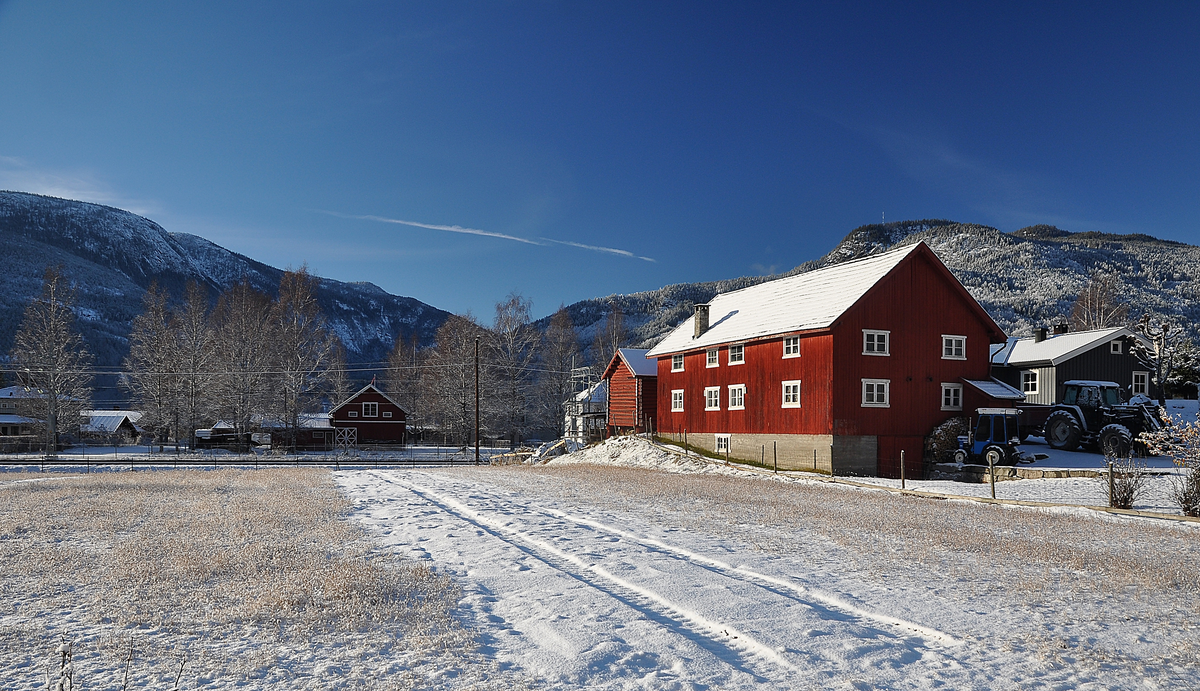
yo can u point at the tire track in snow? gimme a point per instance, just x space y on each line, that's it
715 632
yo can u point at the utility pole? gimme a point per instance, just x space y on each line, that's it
476 400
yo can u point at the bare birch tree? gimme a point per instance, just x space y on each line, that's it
511 352
1166 350
560 350
1099 306
301 349
51 359
150 368
193 359
404 381
610 336
450 379
241 355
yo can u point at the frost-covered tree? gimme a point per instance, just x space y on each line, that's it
150 368
560 351
1099 305
1161 351
450 379
301 350
512 347
610 336
242 355
193 360
404 381
51 360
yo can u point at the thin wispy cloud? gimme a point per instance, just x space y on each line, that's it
19 175
540 242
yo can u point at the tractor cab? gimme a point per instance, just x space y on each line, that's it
994 439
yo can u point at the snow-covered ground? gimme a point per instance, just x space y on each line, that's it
599 570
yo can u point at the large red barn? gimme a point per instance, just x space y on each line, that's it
842 368
369 417
632 391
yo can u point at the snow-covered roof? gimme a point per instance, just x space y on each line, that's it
18 392
305 420
16 420
812 300
360 392
107 421
637 362
996 389
1055 349
596 393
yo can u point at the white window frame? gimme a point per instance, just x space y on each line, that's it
676 400
740 350
718 446
677 363
791 346
1145 384
711 393
874 335
352 413
712 358
874 390
955 392
792 383
737 392
1029 381
387 413
948 343
370 409
1115 348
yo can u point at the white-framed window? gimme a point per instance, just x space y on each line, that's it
952 396
710 358
722 443
1029 381
954 347
352 413
1141 383
877 342
370 410
318 435
791 394
1114 347
387 413
791 346
676 400
712 398
677 363
875 393
737 354
737 397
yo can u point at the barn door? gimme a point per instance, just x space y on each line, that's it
346 437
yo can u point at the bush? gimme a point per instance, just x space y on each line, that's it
1185 490
1128 481
943 440
1180 441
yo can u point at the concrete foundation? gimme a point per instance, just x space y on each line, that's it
840 455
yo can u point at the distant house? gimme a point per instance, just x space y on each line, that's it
14 421
632 391
314 432
1039 365
369 417
845 367
116 426
586 413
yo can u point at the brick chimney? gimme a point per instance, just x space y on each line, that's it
701 320
1061 328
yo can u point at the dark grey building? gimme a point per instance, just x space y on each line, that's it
1039 365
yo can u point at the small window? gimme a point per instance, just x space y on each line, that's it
677 363
952 396
352 413
677 400
1141 384
722 444
370 410
1029 381
737 397
387 413
712 398
711 358
737 354
875 393
876 342
1114 347
954 347
791 346
318 435
791 394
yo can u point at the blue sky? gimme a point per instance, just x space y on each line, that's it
455 152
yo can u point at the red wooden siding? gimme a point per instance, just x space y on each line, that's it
379 430
632 400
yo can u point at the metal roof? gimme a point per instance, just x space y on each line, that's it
1056 348
996 389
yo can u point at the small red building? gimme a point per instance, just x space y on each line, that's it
632 392
841 368
369 417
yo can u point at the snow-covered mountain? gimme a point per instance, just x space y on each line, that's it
1024 279
113 255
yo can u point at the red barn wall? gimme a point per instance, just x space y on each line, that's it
632 400
372 430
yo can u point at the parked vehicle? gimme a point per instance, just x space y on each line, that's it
994 440
1096 414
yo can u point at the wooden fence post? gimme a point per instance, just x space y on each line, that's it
902 469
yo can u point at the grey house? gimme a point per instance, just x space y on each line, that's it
1039 365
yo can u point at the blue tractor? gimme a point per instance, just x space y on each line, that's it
994 440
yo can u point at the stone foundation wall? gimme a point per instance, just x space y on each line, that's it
843 455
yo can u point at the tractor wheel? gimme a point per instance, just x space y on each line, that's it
960 456
994 456
1115 441
1063 431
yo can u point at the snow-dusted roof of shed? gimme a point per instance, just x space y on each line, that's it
107 421
996 389
1056 349
16 420
18 392
637 362
596 393
812 300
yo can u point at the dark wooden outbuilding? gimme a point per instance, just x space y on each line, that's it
632 392
369 417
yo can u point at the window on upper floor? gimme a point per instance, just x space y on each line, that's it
791 394
1029 381
387 413
737 397
876 342
712 398
677 363
875 393
1114 347
791 346
737 354
370 409
954 347
710 358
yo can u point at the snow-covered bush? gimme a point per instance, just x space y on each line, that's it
1127 483
1180 441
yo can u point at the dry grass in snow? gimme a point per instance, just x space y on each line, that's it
240 576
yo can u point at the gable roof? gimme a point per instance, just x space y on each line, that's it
1056 349
361 392
634 359
108 421
807 301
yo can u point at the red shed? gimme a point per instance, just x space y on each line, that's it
632 391
373 417
840 368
